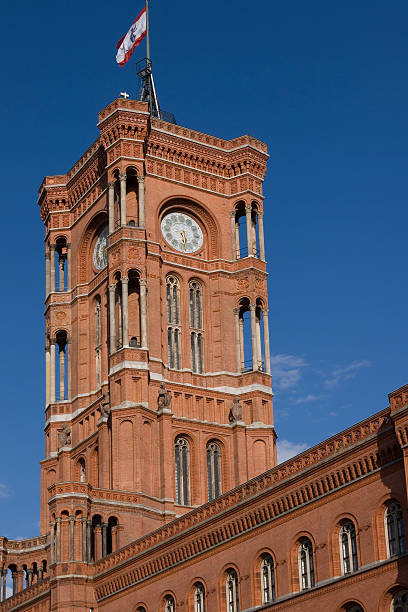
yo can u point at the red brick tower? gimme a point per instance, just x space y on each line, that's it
157 350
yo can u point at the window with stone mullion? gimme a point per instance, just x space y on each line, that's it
196 333
395 530
213 470
348 545
173 322
199 598
182 471
306 565
232 592
268 580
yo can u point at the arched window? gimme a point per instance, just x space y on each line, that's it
306 565
140 608
352 606
61 271
348 548
173 321
232 591
196 326
182 460
169 604
244 335
98 340
267 579
394 529
61 370
111 534
199 597
81 470
213 470
400 602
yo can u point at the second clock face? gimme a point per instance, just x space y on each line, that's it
100 256
182 232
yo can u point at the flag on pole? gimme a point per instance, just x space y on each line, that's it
132 39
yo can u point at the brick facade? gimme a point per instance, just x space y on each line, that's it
158 399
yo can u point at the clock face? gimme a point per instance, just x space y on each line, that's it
182 232
100 256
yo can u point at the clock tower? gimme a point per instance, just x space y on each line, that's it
158 384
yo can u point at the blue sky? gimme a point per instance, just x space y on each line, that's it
324 85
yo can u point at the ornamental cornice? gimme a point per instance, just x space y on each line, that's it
195 178
199 156
206 139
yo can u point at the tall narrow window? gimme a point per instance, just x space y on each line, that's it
169 604
395 530
232 591
267 579
400 602
348 548
81 470
98 341
199 597
306 565
196 327
213 470
173 321
182 460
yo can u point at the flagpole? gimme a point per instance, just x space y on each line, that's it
147 31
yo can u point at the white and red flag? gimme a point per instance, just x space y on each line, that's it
132 39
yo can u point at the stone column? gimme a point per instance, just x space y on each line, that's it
237 340
71 537
20 580
88 539
14 579
122 179
47 274
104 539
61 373
47 375
233 235
97 542
266 341
125 312
68 263
261 236
61 276
141 197
253 337
84 540
143 313
52 371
58 542
112 322
258 342
52 270
111 207
68 351
115 537
248 212
241 343
4 583
29 577
52 543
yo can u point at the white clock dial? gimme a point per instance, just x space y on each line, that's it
182 232
100 256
